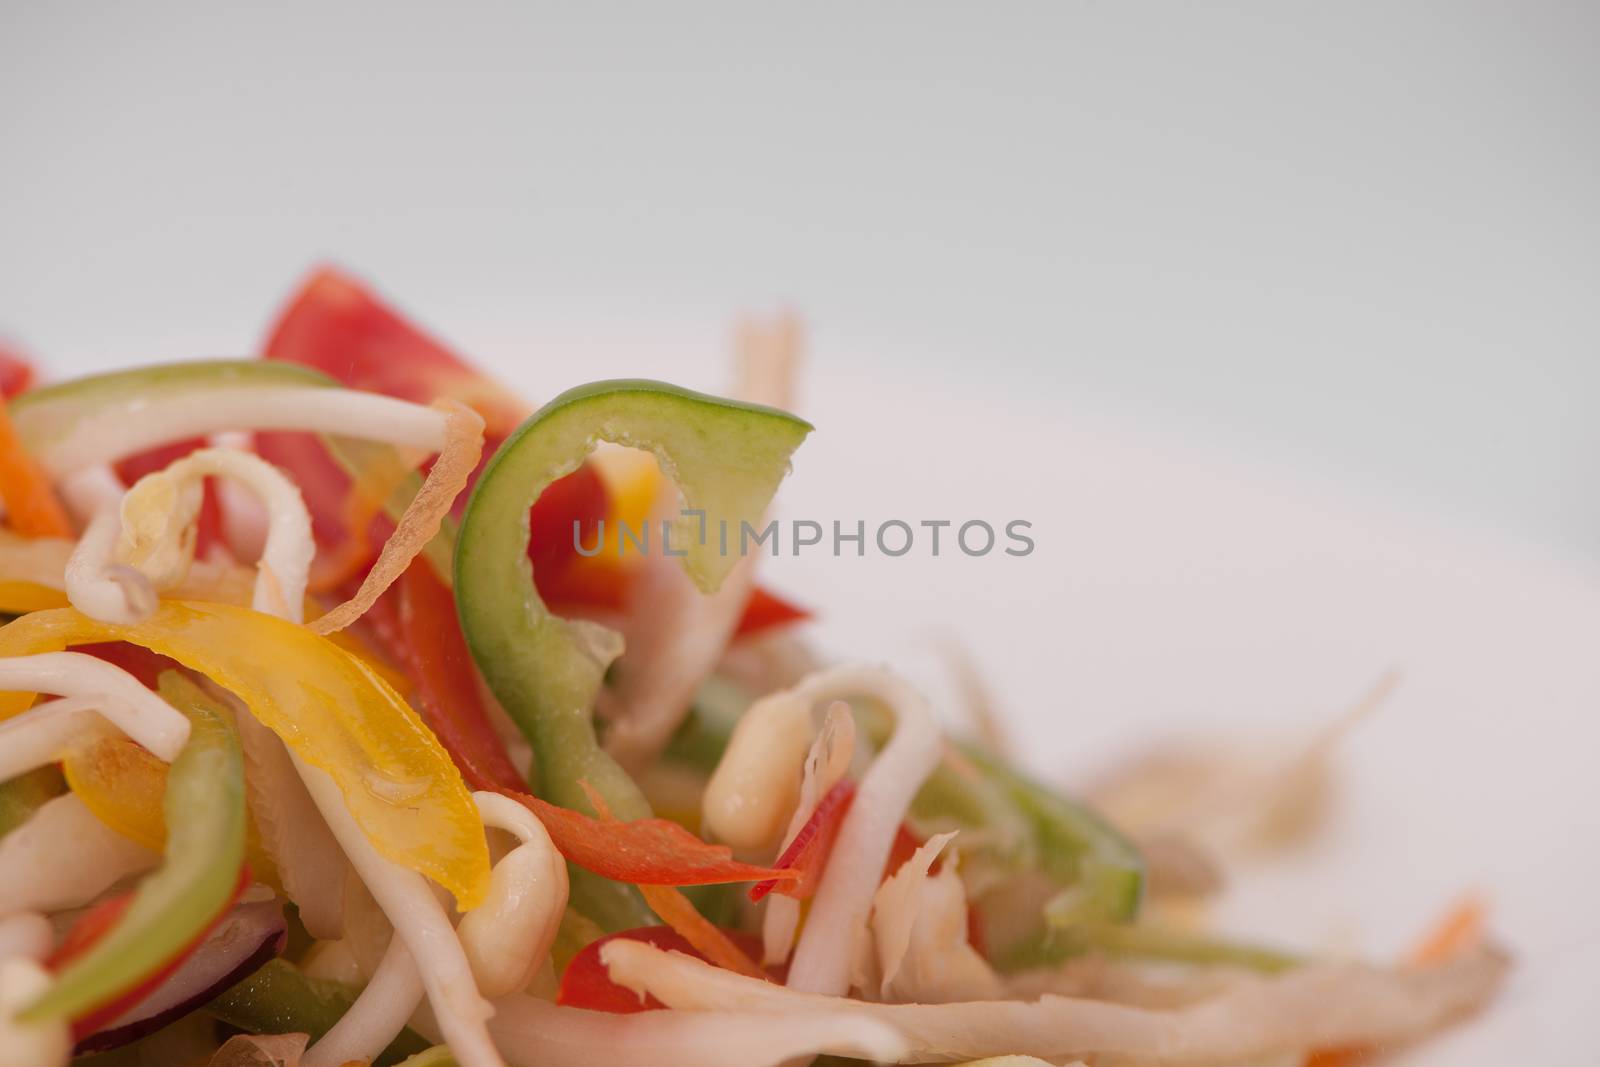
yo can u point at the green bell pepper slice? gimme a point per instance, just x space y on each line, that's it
25 794
1054 945
727 458
1102 870
172 908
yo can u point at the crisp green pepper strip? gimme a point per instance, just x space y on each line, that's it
1054 945
1150 942
437 1056
25 794
280 999
205 815
726 458
703 736
1104 872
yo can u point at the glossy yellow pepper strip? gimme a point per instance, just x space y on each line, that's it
19 598
125 786
332 709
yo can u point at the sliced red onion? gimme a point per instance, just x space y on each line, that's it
249 936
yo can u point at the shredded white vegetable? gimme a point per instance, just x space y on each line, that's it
153 420
118 696
310 861
88 490
510 933
98 585
22 981
919 929
407 899
894 909
753 792
535 1033
36 560
158 512
1327 1006
839 911
44 733
64 857
27 934
377 1016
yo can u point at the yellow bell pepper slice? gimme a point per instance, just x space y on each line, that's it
331 708
126 787
19 598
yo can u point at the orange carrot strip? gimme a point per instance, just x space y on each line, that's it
707 938
675 909
1459 930
31 505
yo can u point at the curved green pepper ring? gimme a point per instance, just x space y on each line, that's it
726 458
173 907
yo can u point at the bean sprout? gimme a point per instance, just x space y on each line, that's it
839 911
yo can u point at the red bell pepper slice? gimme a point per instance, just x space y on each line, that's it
766 611
808 852
93 925
16 372
137 660
424 637
338 326
586 983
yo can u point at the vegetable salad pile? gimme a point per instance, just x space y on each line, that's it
323 742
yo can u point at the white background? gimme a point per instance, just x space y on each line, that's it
1278 322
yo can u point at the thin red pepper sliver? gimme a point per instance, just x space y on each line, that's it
765 611
16 372
587 984
808 852
99 921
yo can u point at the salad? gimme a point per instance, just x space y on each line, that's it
325 741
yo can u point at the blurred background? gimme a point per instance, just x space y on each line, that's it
1278 321
1360 239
